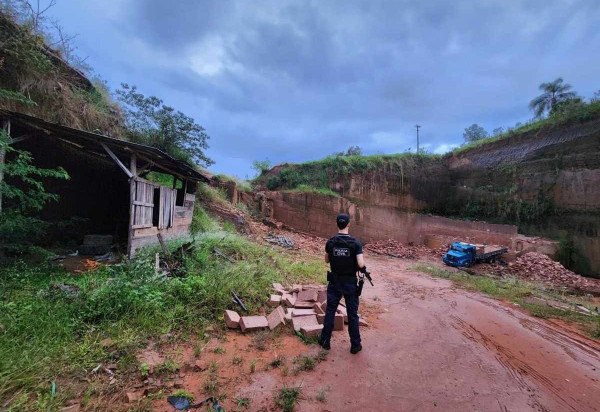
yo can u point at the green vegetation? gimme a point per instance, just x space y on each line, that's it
308 362
261 166
319 175
151 122
474 133
242 185
304 188
243 402
516 291
287 397
555 94
56 321
21 195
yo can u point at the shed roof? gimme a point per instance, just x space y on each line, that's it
92 143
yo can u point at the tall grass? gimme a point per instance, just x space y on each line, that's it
48 336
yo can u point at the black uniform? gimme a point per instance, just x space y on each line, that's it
342 250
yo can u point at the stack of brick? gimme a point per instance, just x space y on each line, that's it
306 307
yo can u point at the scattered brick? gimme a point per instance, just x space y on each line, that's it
318 309
296 288
288 299
303 312
308 295
338 322
250 323
274 301
276 318
321 296
304 305
232 319
301 321
313 330
321 319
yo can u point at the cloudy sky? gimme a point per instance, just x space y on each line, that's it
298 80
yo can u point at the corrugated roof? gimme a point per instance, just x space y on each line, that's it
91 142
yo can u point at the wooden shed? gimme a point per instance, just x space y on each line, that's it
108 189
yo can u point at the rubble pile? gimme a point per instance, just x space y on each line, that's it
538 267
280 240
397 249
305 307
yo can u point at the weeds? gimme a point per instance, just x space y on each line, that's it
515 290
219 350
53 334
242 402
211 384
261 339
322 395
288 397
307 362
308 340
277 362
237 360
253 366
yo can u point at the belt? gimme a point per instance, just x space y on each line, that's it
348 276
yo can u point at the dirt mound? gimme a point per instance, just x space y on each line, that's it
538 267
400 250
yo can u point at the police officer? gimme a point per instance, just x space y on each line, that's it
344 253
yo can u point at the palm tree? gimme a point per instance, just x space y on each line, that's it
554 92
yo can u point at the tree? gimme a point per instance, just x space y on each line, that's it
554 93
497 131
354 151
149 121
261 166
474 133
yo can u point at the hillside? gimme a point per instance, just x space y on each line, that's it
544 180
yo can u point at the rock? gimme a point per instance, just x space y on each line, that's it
276 318
232 319
312 330
251 323
299 322
178 383
274 301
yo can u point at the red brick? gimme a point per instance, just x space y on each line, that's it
303 304
278 287
232 319
302 321
318 308
250 323
288 299
296 288
303 312
313 330
276 318
309 295
321 296
320 319
274 301
338 322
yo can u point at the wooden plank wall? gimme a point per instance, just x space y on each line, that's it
174 221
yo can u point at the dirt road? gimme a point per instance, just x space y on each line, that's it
436 347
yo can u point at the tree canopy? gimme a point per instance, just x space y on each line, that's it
148 120
554 93
474 133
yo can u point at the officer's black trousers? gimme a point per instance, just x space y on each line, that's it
335 290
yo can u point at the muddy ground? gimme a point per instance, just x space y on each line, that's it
432 347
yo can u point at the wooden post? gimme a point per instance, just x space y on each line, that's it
6 127
132 188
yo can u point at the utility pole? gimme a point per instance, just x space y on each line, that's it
418 127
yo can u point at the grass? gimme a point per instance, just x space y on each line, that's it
288 397
243 402
277 362
211 384
582 113
54 336
304 188
322 395
308 362
516 291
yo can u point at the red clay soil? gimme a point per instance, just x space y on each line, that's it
436 347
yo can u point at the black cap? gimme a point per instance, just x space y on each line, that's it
343 219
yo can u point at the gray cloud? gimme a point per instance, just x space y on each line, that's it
300 80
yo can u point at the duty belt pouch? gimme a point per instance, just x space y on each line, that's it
329 276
